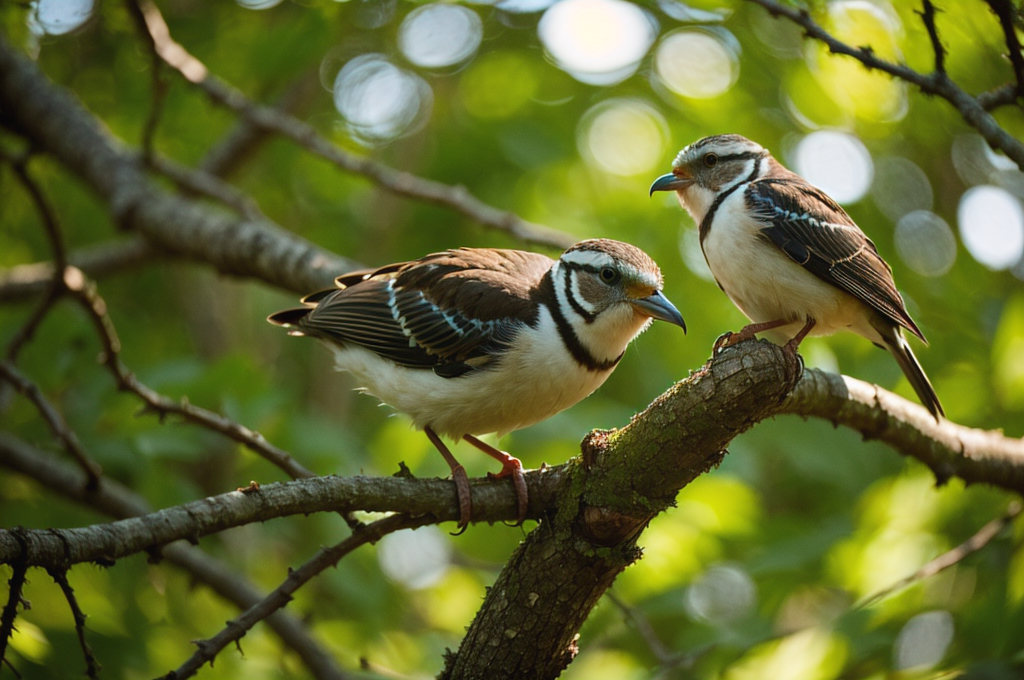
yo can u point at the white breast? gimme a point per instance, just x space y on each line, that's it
533 381
767 285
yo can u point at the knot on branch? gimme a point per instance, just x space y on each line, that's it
607 527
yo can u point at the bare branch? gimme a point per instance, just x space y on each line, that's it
937 83
1000 96
327 557
55 122
84 292
54 420
202 183
117 501
92 665
947 448
950 558
15 584
1004 10
28 280
402 183
928 17
159 86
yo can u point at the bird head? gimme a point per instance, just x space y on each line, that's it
708 167
609 292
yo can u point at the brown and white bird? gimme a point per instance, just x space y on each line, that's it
788 255
473 341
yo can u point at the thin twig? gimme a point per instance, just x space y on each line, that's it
1000 96
936 83
55 420
92 664
668 660
10 613
84 292
327 557
200 182
1004 10
402 183
117 501
160 84
950 558
927 14
27 280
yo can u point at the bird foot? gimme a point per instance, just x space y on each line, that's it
465 500
728 339
513 467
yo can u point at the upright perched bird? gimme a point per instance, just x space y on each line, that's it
479 340
788 255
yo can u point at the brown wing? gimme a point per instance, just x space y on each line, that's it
448 311
806 224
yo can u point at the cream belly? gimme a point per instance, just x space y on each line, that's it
767 285
536 380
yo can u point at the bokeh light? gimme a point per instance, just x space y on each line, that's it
693 254
57 17
835 162
258 4
434 36
900 187
415 559
926 243
722 595
600 42
380 101
923 641
992 226
697 64
623 136
524 6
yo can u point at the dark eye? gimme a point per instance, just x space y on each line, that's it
610 275
711 160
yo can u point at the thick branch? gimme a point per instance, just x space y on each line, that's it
56 122
937 83
492 502
947 448
114 500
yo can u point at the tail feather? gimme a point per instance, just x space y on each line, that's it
289 317
898 347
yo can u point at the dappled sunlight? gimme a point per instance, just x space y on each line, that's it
600 42
835 162
991 224
623 137
813 654
698 64
434 36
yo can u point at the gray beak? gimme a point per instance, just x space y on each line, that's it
657 306
670 182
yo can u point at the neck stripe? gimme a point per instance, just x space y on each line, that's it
573 302
572 343
705 224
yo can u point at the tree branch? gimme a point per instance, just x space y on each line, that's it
92 665
114 500
282 595
936 83
1004 11
28 280
401 183
55 122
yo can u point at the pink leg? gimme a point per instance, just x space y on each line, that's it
510 467
458 476
728 339
794 344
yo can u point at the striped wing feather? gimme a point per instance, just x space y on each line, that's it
815 232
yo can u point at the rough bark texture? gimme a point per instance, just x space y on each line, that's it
56 122
528 626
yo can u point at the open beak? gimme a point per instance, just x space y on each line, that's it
670 182
657 306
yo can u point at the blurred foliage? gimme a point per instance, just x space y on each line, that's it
799 521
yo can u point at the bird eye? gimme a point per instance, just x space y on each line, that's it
711 160
610 275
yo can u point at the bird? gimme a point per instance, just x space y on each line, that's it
471 341
788 255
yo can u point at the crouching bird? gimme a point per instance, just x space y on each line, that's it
788 255
477 340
